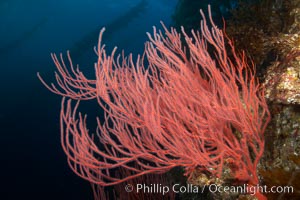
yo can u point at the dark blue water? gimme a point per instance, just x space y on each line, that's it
33 165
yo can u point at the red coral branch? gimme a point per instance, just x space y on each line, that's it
195 110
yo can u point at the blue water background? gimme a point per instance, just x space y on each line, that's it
32 162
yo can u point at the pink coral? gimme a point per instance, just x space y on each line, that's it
186 107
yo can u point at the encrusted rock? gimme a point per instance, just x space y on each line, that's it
282 82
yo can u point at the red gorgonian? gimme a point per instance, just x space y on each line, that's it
179 104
